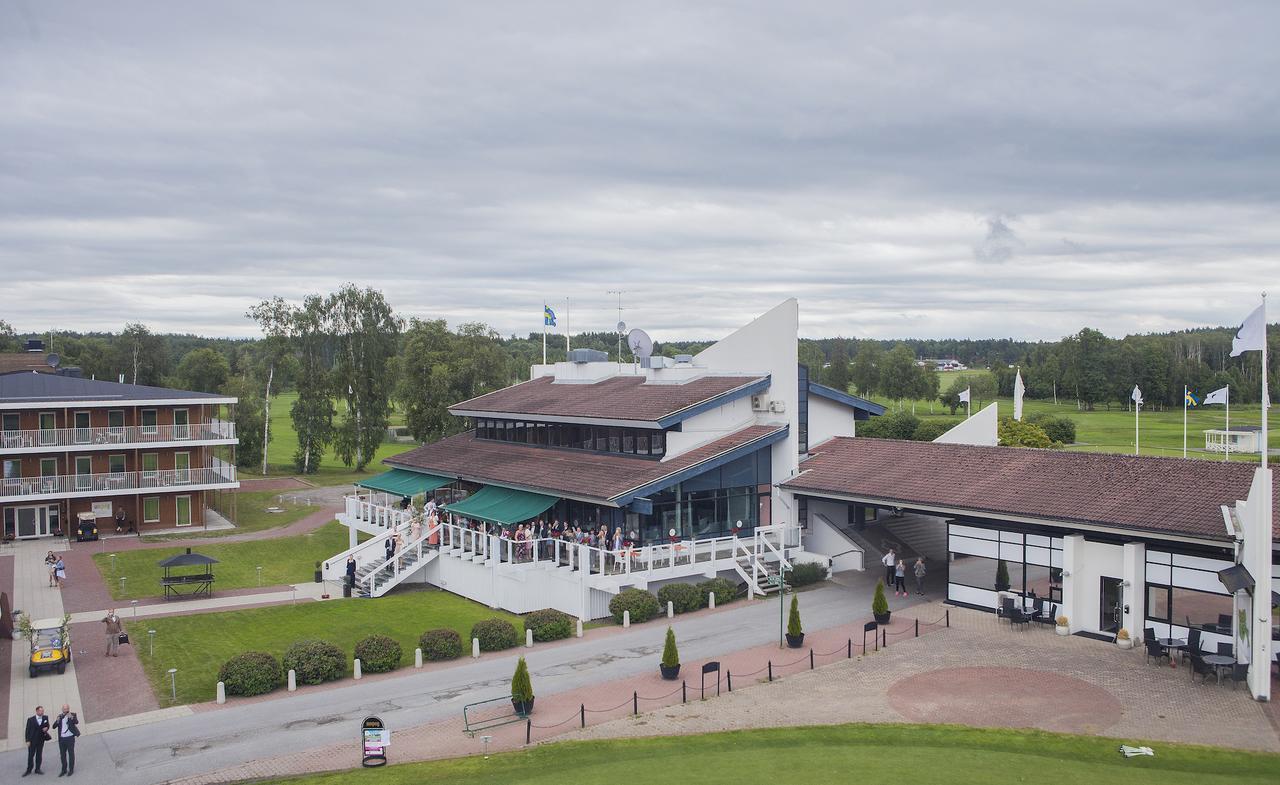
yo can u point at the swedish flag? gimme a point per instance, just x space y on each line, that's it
1190 399
548 316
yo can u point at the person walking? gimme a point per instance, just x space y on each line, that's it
51 563
351 573
67 727
920 571
888 561
37 734
114 628
122 518
60 572
900 578
389 547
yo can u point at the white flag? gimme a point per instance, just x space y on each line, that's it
1018 391
1217 396
1252 334
964 396
1137 395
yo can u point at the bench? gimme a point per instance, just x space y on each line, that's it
473 724
187 585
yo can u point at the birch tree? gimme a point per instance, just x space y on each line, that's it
312 413
366 336
275 317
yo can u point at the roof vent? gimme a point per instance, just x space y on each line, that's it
587 356
35 345
684 359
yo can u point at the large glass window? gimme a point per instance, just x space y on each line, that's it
151 509
598 438
802 413
1190 608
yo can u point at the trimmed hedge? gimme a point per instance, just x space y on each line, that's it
495 634
550 624
723 588
441 644
378 654
251 673
684 597
642 604
807 573
315 662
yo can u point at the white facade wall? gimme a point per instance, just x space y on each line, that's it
828 419
709 426
824 538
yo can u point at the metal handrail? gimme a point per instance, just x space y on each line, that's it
116 436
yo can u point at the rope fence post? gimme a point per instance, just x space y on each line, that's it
948 617
849 656
810 659
917 628
528 732
884 633
582 714
635 703
770 670
729 679
684 691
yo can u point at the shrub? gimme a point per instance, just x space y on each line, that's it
642 604
724 589
1002 576
441 644
315 662
793 620
1022 434
378 654
670 656
928 430
879 605
521 686
1059 429
495 634
251 673
684 597
897 425
550 624
807 573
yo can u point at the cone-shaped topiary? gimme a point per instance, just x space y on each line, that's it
879 605
1002 576
793 620
670 655
521 687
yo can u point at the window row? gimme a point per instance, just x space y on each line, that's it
1207 611
83 464
11 421
598 438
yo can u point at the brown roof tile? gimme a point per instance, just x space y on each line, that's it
1167 495
614 398
24 361
562 472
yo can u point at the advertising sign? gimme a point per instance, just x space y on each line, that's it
374 740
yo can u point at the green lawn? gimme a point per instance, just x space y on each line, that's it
283 560
252 515
284 442
912 754
197 645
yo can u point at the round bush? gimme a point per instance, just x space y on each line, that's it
723 588
315 662
807 573
251 673
378 654
441 644
684 597
550 624
642 604
495 634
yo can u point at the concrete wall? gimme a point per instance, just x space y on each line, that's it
825 539
828 419
709 426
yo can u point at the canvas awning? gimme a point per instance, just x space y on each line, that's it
402 482
503 506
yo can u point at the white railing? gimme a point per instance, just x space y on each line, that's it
398 563
378 515
215 430
166 480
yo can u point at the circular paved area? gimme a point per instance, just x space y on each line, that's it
1005 697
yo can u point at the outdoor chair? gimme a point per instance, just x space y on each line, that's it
1050 618
1224 622
1225 649
1201 668
1239 673
1149 635
1156 650
1005 611
1193 641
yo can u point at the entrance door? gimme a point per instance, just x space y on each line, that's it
84 473
181 424
48 430
1111 610
32 522
182 510
83 435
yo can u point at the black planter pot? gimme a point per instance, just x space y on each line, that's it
319 576
795 641
670 672
523 708
882 618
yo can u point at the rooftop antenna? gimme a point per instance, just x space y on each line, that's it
622 328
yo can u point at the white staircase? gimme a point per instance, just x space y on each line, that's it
753 563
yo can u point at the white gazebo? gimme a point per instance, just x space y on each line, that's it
1242 438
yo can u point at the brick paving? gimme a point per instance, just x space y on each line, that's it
6 644
110 687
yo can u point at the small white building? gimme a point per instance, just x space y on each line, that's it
1242 438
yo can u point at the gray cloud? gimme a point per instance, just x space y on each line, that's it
174 163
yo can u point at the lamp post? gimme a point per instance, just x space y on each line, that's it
173 683
151 636
123 578
259 569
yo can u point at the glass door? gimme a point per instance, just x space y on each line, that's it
182 467
84 473
32 522
11 425
115 425
1111 610
182 510
82 433
48 429
181 424
150 468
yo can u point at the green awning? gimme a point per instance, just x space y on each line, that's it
404 483
503 506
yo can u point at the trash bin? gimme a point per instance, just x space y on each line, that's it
346 589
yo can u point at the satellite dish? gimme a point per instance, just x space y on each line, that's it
622 328
640 343
52 360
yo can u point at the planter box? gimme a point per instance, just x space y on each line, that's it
670 673
1062 630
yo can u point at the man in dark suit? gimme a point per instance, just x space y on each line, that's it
37 735
66 726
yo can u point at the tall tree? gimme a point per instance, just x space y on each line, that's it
275 317
366 333
143 356
312 413
204 370
248 419
865 372
810 355
836 375
898 375
8 339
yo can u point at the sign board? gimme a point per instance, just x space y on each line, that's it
102 509
375 737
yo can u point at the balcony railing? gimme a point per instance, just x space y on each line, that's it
165 480
74 438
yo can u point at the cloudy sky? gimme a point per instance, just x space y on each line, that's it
907 172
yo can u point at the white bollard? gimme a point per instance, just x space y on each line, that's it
626 618
417 658
711 600
293 680
475 648
579 628
222 692
671 609
358 672
528 639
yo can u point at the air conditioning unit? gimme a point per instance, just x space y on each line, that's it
760 402
777 407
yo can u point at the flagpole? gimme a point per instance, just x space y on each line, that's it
544 332
1226 438
1185 391
566 328
1136 406
1266 400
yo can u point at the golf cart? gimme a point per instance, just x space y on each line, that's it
86 527
50 647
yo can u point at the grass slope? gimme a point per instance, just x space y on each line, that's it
916 754
197 645
284 443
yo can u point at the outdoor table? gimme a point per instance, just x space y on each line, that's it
1169 645
1219 661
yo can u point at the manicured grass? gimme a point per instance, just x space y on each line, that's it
284 442
197 645
252 515
283 560
916 754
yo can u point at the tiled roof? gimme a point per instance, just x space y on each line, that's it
1165 495
575 473
24 361
614 398
50 387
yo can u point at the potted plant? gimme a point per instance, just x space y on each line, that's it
1002 576
670 665
1123 640
1063 628
879 605
319 573
795 633
522 690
